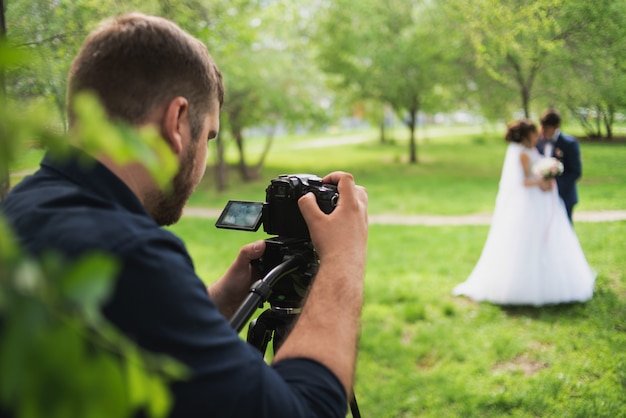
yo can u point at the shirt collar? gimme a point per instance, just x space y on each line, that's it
556 135
85 171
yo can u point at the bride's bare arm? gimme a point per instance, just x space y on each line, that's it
529 179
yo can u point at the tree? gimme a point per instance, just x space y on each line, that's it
59 357
52 33
271 80
591 65
389 51
5 176
514 40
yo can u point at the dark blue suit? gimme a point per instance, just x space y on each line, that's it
567 150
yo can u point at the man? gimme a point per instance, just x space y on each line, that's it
554 143
147 71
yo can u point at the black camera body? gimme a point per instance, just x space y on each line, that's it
280 214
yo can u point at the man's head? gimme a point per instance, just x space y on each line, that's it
147 70
136 63
550 122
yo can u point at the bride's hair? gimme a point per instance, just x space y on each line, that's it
520 130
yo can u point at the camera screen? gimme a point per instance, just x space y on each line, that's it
241 215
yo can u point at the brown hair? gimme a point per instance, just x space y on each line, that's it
135 63
520 130
551 117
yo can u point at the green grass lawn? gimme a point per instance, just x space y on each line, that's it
426 353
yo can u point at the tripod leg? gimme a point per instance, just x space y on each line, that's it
259 334
354 408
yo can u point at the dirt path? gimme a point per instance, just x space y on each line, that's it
438 220
427 220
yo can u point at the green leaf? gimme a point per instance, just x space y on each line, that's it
106 389
160 398
17 342
10 56
136 379
125 144
88 282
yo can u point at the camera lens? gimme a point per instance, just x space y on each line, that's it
334 199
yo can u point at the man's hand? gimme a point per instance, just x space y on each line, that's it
327 329
230 291
343 232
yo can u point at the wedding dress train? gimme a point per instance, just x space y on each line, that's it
532 255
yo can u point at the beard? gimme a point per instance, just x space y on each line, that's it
166 207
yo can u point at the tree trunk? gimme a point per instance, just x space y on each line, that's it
243 168
413 111
583 119
220 168
609 117
526 100
268 144
412 144
5 175
383 124
525 83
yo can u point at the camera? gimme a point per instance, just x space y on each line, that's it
280 216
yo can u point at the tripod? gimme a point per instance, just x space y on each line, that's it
276 321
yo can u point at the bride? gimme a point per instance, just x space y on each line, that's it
532 255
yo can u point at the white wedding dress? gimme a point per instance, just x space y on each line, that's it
532 255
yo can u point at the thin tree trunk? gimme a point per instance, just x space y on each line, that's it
243 168
412 140
583 119
608 122
220 167
5 175
268 145
526 101
383 120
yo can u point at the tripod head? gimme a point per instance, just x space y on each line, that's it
289 291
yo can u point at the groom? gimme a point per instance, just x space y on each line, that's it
565 148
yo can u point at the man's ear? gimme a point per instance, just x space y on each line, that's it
175 122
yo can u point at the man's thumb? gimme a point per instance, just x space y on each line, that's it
308 206
251 252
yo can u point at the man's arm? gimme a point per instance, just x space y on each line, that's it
327 329
229 292
160 302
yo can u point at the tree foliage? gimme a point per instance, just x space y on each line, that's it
270 79
567 54
58 356
594 62
395 52
514 40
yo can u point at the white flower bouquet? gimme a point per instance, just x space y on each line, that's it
548 168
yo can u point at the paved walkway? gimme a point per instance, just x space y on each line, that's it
437 220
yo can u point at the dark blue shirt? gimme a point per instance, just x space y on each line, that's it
159 301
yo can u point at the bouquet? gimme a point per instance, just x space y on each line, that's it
548 168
